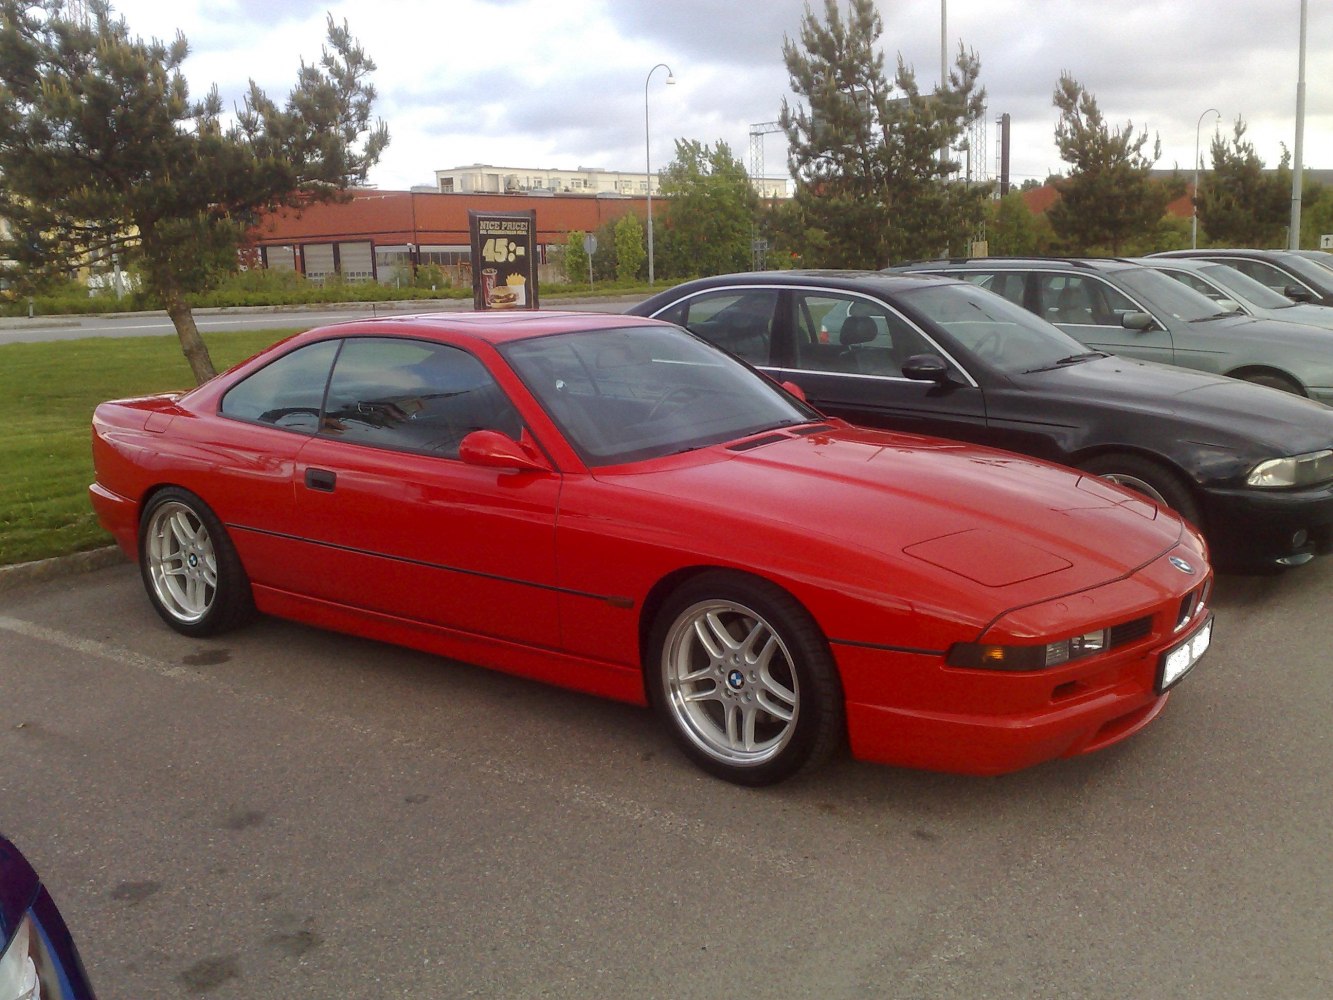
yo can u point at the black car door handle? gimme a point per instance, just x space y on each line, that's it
320 479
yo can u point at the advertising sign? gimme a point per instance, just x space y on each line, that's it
504 259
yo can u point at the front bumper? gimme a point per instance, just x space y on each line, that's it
1252 529
911 709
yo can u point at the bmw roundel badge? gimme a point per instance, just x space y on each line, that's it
1181 565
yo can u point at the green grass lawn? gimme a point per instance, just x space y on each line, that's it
50 390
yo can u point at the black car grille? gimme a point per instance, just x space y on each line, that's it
1132 631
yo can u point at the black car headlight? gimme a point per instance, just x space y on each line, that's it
1298 470
18 965
984 656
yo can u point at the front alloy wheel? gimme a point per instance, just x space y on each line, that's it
744 680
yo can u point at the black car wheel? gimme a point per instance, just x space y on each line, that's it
190 568
744 680
1154 480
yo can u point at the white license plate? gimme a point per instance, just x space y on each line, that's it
1177 661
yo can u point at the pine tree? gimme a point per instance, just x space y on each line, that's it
1108 199
1239 204
872 187
104 154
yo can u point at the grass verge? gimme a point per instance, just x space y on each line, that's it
50 391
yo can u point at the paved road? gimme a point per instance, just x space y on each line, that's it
48 328
288 813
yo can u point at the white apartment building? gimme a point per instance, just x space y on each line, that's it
484 178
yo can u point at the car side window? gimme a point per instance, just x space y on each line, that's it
843 333
740 321
412 395
1081 300
1197 283
287 393
1003 283
1266 274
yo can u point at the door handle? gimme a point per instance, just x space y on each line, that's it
320 479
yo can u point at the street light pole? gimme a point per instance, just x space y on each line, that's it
648 158
1194 199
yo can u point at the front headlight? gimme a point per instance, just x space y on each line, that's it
1299 470
18 973
985 656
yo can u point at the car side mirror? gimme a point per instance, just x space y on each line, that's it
795 390
493 450
1140 321
1298 294
926 368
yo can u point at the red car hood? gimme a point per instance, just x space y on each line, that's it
989 516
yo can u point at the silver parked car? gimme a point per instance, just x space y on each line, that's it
1118 306
1236 291
1290 273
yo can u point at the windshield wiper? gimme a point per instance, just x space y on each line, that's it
1073 359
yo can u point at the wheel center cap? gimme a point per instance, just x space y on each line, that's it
193 560
735 680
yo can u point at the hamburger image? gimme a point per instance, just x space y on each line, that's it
503 297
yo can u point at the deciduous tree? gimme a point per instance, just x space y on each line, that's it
631 251
872 187
103 153
709 219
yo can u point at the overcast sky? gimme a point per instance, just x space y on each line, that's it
551 84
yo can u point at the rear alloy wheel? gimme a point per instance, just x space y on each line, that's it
190 568
1154 480
744 680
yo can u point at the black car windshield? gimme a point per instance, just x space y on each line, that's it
992 329
629 394
1167 295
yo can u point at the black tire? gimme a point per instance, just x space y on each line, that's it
1274 382
765 701
1156 481
189 566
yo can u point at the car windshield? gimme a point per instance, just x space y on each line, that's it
1250 290
635 393
1306 269
993 329
1166 295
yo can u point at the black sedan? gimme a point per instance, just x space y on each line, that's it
1250 465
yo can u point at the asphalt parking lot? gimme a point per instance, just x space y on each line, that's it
286 812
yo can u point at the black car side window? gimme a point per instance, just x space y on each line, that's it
413 396
287 393
842 333
740 321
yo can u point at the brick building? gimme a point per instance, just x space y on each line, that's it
379 235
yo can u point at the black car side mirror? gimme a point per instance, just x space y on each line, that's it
926 368
1137 321
1298 294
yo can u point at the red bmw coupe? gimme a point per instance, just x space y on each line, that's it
613 505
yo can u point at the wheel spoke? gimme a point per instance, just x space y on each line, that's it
713 635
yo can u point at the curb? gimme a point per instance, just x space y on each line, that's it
23 574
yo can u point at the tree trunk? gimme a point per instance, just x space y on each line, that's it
193 346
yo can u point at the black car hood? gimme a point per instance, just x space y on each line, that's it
1212 407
